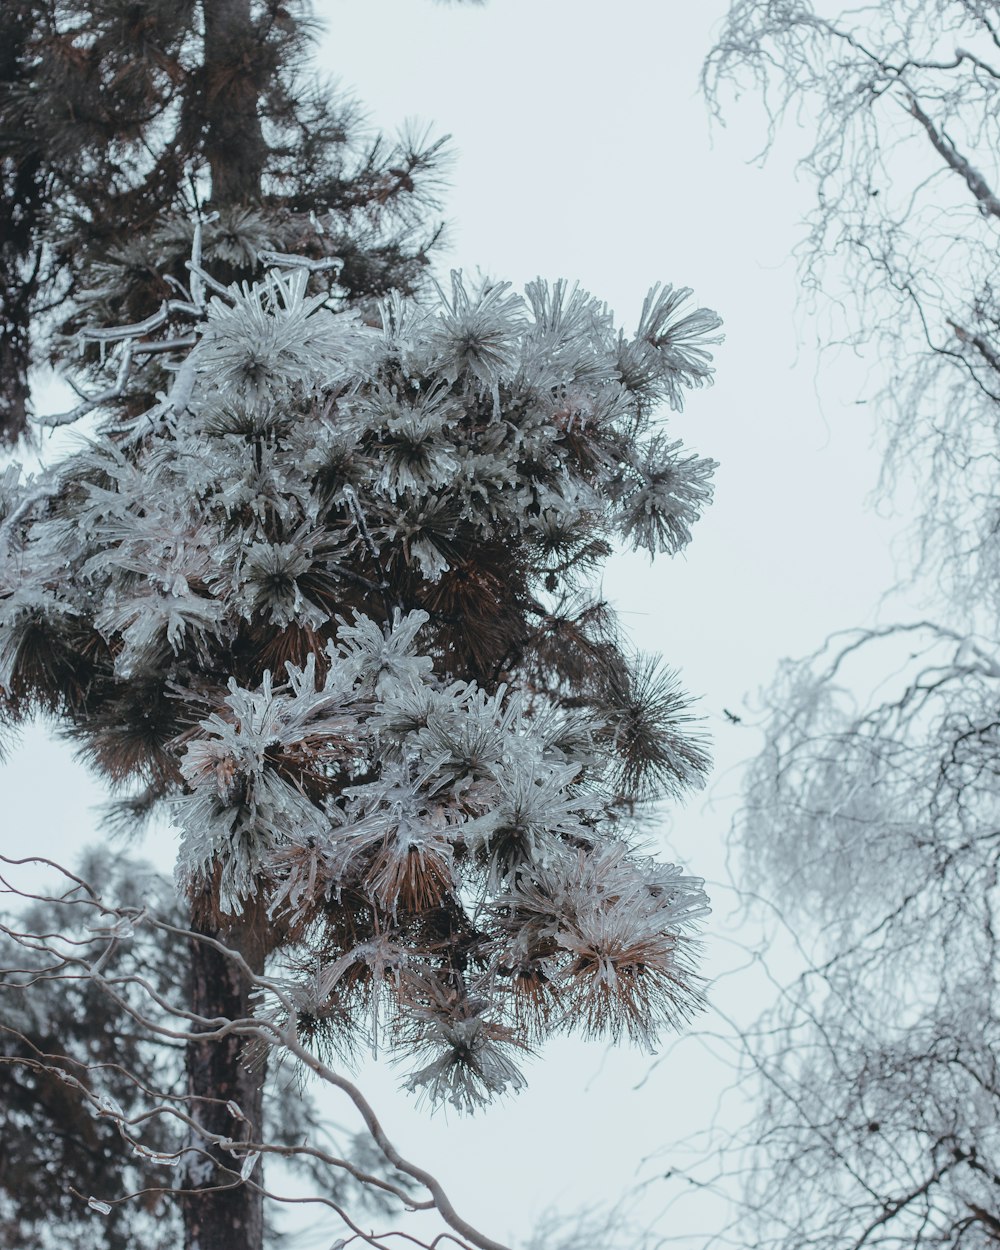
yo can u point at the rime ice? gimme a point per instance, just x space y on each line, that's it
333 610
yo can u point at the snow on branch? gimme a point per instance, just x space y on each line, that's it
324 605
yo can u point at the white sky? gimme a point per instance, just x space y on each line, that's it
584 151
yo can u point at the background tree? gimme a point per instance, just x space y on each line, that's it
73 1059
878 1066
51 1145
902 98
873 809
326 600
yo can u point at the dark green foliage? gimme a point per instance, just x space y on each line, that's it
118 120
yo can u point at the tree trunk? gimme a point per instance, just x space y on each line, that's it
234 71
15 349
227 1214
20 257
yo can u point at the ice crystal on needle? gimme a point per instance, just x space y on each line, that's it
330 610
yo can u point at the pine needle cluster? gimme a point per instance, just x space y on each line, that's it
328 604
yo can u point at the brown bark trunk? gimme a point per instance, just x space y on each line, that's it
20 205
225 1214
15 356
234 69
221 1212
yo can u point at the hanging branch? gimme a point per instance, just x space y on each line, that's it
66 960
134 341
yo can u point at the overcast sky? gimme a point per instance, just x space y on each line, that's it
584 151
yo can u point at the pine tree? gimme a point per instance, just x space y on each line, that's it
118 120
319 587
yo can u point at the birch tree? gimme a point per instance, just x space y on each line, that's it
871 814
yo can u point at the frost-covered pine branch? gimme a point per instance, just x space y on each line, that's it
318 611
